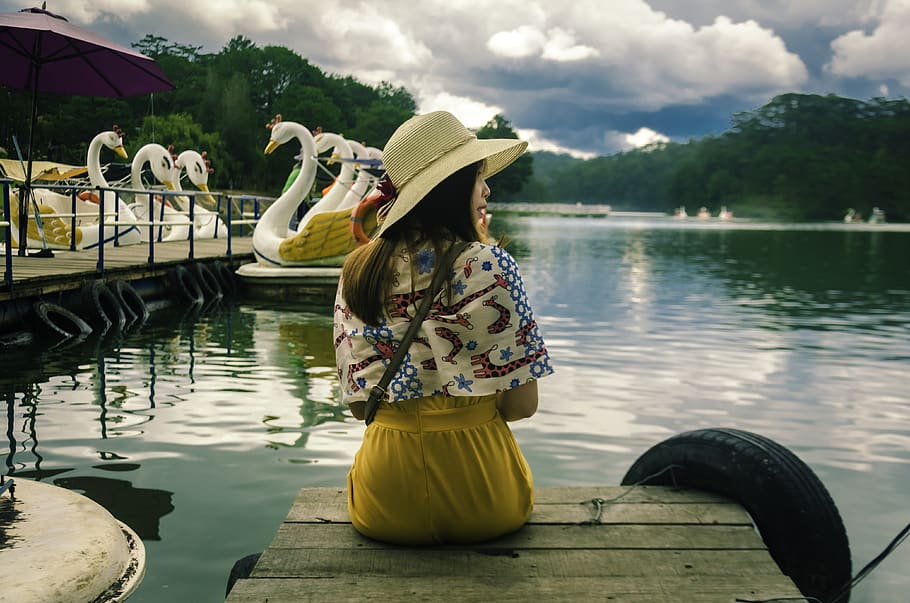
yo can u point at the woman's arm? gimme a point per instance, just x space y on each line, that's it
519 403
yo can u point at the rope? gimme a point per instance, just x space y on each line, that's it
902 535
600 502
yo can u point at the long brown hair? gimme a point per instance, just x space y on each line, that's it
442 217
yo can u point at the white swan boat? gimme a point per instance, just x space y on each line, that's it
175 226
207 223
55 230
317 247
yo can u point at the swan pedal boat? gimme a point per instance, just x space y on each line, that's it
324 236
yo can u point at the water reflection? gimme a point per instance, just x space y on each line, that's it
799 334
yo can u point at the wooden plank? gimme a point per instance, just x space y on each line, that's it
648 504
627 494
35 276
341 536
638 544
657 588
559 495
650 513
563 563
572 513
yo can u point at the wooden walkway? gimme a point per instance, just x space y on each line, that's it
34 276
644 544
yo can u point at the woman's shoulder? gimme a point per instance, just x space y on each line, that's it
489 252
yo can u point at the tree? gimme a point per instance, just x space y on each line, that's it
508 183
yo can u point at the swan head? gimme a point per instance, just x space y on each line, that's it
282 132
113 139
160 161
197 167
329 140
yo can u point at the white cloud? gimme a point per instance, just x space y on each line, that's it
471 113
517 43
562 47
537 142
879 54
624 141
645 136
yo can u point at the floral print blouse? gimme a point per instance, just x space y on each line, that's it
482 341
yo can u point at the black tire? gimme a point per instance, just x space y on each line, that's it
227 278
211 287
184 286
789 505
132 303
101 307
58 322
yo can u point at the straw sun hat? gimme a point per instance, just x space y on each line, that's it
427 149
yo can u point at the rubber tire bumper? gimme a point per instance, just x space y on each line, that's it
57 321
132 303
101 307
211 286
789 505
185 287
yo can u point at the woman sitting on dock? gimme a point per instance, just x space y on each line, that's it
439 463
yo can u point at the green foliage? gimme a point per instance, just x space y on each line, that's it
798 157
221 104
507 184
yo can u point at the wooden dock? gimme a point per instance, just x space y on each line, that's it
622 544
35 276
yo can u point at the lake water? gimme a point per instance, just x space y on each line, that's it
198 430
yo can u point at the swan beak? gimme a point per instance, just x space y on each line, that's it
271 147
121 152
169 185
205 189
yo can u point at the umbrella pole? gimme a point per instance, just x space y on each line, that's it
29 196
23 211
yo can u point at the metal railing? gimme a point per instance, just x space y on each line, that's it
238 213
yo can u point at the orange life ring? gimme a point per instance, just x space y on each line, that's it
358 214
326 190
89 196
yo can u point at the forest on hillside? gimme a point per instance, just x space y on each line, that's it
797 157
800 156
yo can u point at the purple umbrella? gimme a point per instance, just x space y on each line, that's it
43 52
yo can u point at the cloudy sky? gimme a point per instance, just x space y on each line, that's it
590 77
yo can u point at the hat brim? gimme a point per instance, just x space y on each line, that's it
499 153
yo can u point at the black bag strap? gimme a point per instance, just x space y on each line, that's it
379 393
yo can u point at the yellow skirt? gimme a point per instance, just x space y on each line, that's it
439 470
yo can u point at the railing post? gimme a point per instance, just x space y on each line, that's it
100 265
8 240
73 220
116 216
230 233
192 226
151 220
